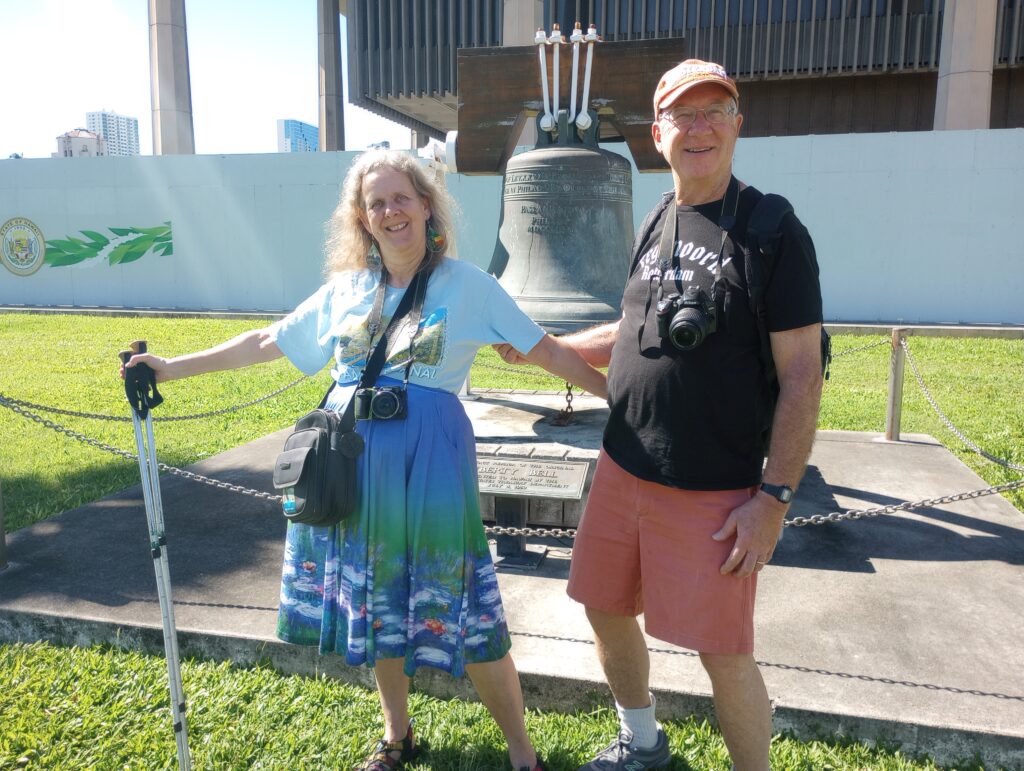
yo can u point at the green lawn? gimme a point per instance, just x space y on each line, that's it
97 708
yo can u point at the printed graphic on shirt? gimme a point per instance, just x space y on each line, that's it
354 341
688 256
429 347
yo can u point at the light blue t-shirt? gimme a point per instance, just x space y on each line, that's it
464 309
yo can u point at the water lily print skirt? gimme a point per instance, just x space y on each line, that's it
409 575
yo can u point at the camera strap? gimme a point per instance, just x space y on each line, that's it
667 258
412 299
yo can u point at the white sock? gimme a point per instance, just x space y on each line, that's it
641 725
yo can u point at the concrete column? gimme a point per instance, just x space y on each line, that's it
169 84
332 90
520 21
963 99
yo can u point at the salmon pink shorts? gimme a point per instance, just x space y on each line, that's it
642 547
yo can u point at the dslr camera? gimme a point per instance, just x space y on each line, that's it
383 403
686 319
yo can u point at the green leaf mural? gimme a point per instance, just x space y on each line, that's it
125 245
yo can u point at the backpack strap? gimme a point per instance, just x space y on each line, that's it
647 227
764 232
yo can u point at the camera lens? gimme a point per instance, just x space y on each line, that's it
385 405
688 329
363 399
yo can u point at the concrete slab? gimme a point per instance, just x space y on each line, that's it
906 628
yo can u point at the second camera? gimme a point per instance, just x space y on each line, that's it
383 403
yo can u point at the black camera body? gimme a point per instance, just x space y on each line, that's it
382 403
686 319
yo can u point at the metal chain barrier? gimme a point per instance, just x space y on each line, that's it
5 402
949 423
880 342
126 419
816 519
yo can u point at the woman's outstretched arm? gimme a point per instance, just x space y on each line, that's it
248 348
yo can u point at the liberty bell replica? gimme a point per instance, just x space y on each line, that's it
566 223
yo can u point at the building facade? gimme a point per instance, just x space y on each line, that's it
805 66
120 133
80 143
294 136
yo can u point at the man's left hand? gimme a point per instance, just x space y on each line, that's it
756 526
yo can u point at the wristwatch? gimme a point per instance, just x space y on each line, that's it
781 493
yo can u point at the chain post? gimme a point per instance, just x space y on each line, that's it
3 531
894 406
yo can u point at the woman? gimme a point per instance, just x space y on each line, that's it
407 580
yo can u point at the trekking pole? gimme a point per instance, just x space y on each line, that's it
140 388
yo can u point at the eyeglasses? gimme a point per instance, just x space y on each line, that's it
713 113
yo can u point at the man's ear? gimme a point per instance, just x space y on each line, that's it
656 134
739 122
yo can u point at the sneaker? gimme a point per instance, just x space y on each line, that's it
620 756
538 766
391 755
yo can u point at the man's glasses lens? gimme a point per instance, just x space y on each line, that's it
716 113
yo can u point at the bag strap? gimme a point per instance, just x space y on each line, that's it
375 360
647 227
764 230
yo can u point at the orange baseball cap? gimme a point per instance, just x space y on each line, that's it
685 76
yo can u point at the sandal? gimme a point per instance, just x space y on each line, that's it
391 755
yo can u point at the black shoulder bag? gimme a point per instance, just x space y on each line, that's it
317 469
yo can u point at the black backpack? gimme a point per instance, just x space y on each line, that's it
764 231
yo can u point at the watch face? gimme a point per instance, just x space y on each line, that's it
781 493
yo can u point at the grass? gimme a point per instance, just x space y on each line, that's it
976 382
101 708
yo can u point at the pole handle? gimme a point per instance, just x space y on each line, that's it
140 381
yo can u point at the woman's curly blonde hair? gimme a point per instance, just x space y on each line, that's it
347 243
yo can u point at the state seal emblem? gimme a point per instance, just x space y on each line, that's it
22 246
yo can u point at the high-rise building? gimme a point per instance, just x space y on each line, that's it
120 132
294 136
79 143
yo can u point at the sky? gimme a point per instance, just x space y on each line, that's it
251 63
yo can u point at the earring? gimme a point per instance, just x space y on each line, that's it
435 241
373 259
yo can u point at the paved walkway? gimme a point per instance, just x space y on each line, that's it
906 627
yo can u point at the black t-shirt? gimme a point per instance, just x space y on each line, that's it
695 419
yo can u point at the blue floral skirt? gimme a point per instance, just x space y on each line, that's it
409 574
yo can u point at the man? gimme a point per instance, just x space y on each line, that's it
680 517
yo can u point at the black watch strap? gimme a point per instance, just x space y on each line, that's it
781 493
